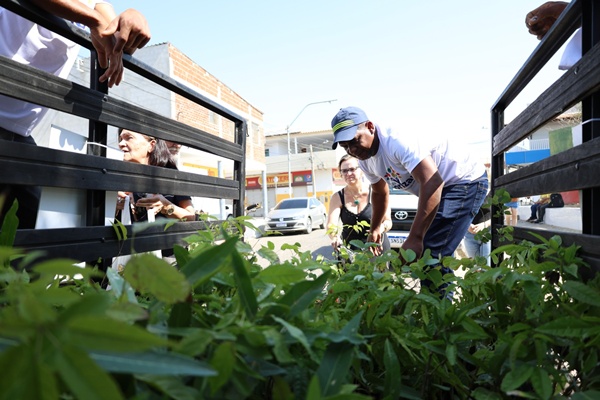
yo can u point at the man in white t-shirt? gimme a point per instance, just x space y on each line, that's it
23 41
451 185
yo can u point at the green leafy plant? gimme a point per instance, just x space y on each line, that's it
220 326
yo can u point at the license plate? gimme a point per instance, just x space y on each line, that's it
397 239
281 225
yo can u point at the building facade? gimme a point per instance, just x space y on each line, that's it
312 165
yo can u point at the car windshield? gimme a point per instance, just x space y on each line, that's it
293 203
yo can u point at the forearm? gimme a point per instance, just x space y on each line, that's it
73 10
430 196
380 204
106 11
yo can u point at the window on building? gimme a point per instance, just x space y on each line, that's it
266 152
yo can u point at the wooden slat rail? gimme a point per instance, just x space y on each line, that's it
79 243
23 164
29 84
575 84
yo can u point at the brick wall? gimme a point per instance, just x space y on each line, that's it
189 113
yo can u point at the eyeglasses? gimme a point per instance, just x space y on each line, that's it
345 171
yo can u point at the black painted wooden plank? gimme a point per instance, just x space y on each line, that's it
29 84
574 169
31 165
91 243
578 82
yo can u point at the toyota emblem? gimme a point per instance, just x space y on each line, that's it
401 215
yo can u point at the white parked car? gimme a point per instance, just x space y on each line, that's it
404 208
297 214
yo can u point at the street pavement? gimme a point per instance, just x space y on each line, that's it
317 242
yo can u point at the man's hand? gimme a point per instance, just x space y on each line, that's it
125 33
414 245
130 30
542 18
108 59
376 236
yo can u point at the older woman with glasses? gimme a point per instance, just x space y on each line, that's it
352 205
144 149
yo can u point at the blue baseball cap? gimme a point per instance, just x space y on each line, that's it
345 124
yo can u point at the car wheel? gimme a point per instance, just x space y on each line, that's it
308 225
322 226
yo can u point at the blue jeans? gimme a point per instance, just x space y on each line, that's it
458 206
534 208
476 248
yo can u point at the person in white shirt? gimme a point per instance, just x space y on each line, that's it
450 184
28 43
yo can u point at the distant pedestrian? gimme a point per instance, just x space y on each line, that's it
544 199
512 217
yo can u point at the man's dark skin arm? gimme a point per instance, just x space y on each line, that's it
380 196
430 195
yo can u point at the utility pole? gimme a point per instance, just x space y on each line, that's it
289 148
312 172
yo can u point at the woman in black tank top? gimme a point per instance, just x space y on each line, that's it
352 205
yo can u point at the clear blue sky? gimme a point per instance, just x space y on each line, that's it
432 66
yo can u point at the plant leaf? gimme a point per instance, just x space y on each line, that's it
102 333
302 294
93 304
393 385
9 225
152 363
296 333
541 383
151 275
582 292
119 286
334 367
25 377
587 395
83 377
569 327
282 274
314 391
223 362
204 265
244 285
172 386
516 377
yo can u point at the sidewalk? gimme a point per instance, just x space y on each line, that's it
545 227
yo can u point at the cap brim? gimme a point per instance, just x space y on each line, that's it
344 135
